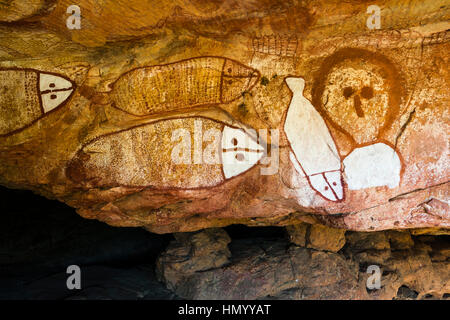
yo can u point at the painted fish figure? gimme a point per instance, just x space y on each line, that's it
166 154
313 148
183 84
26 95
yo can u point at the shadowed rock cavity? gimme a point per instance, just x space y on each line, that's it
41 238
310 268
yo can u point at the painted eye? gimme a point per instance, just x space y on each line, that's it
367 92
54 90
51 82
360 76
235 163
52 100
319 183
334 180
237 138
241 154
347 92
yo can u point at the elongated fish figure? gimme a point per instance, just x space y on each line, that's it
26 95
182 84
312 145
179 153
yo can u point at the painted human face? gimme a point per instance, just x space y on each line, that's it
356 99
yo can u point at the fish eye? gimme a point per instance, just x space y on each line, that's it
334 184
51 85
326 188
53 96
240 157
234 141
229 70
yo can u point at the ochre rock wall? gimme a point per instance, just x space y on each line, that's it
183 115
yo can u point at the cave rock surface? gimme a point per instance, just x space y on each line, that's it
183 115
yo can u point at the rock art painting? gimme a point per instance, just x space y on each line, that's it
314 150
278 45
359 93
182 115
372 166
239 152
149 155
27 95
202 81
370 100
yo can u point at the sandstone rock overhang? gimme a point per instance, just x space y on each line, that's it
333 122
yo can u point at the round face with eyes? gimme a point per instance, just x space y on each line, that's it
356 99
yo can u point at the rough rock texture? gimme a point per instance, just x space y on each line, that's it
263 268
369 240
400 240
324 238
40 238
297 233
317 236
192 253
18 10
355 120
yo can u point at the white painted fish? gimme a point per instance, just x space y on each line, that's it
312 145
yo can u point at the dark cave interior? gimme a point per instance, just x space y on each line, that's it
40 238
